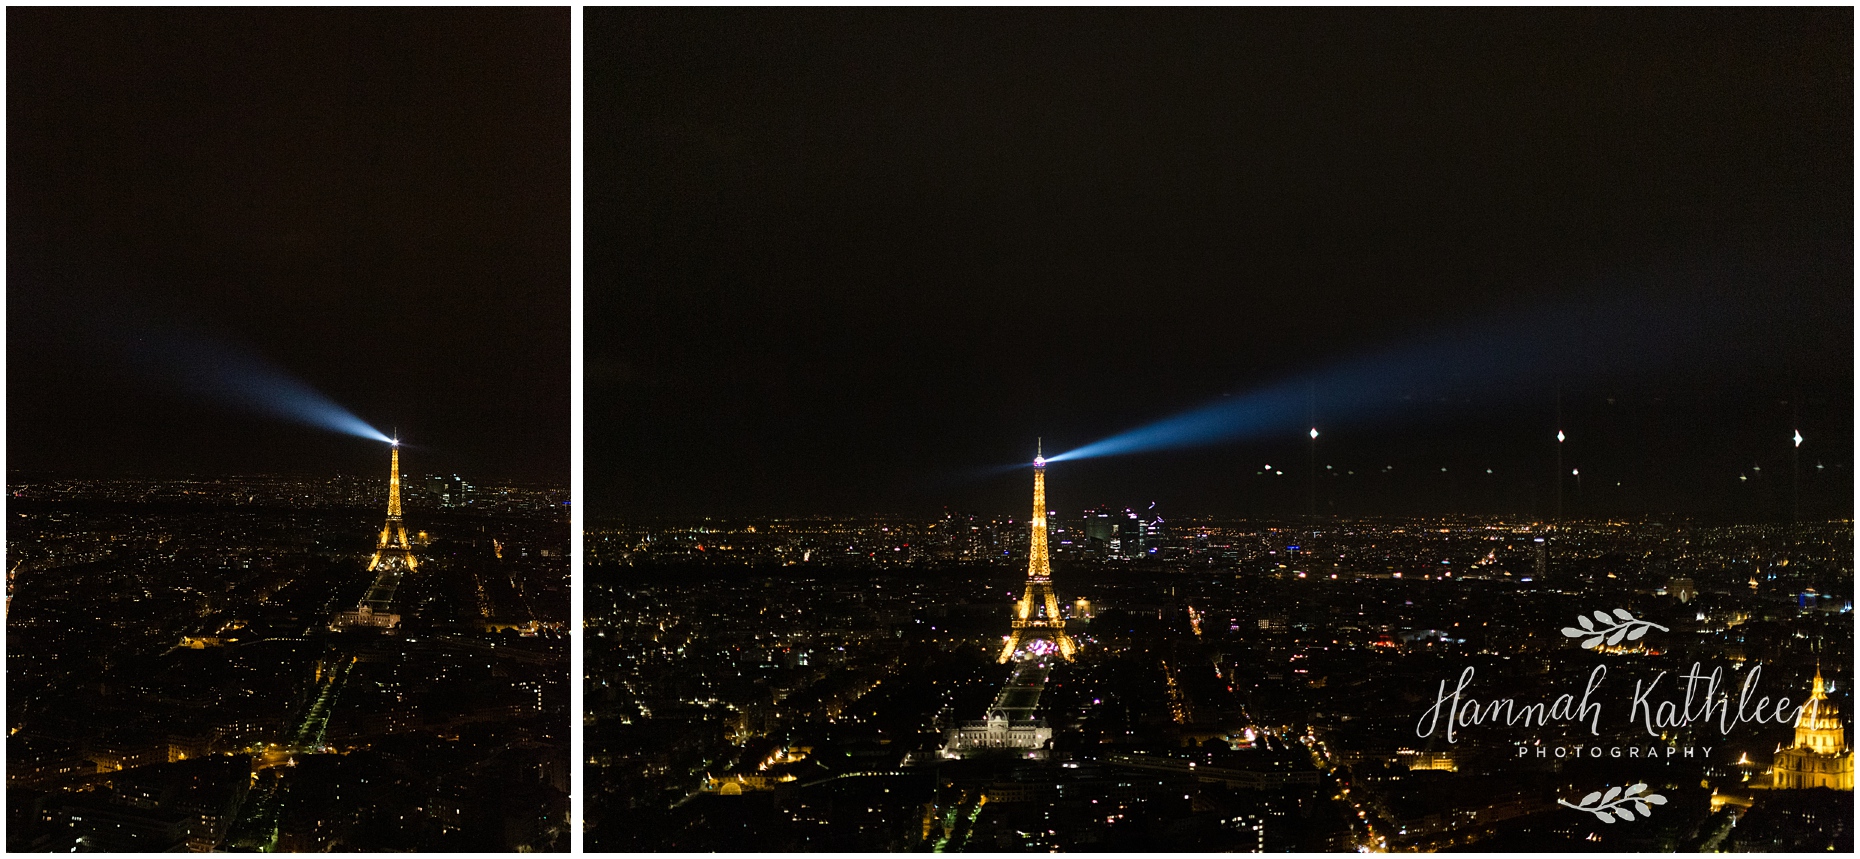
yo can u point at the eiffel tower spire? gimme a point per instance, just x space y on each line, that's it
1036 615
394 482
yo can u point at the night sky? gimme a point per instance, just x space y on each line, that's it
373 203
850 262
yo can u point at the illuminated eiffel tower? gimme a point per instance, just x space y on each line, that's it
1037 624
393 552
393 559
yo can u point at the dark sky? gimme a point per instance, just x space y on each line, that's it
849 261
375 203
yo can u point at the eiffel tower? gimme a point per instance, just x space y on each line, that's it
393 552
1037 624
393 558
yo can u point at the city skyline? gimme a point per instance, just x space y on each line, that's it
182 673
825 684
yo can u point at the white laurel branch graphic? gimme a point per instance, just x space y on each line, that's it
1614 804
1613 630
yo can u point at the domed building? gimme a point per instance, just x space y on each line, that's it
1820 756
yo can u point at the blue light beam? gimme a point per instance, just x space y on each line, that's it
71 312
1512 356
242 380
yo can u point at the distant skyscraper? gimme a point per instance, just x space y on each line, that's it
1153 532
1100 526
1037 624
448 491
962 535
458 492
1130 532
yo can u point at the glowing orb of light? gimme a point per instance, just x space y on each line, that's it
1039 462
